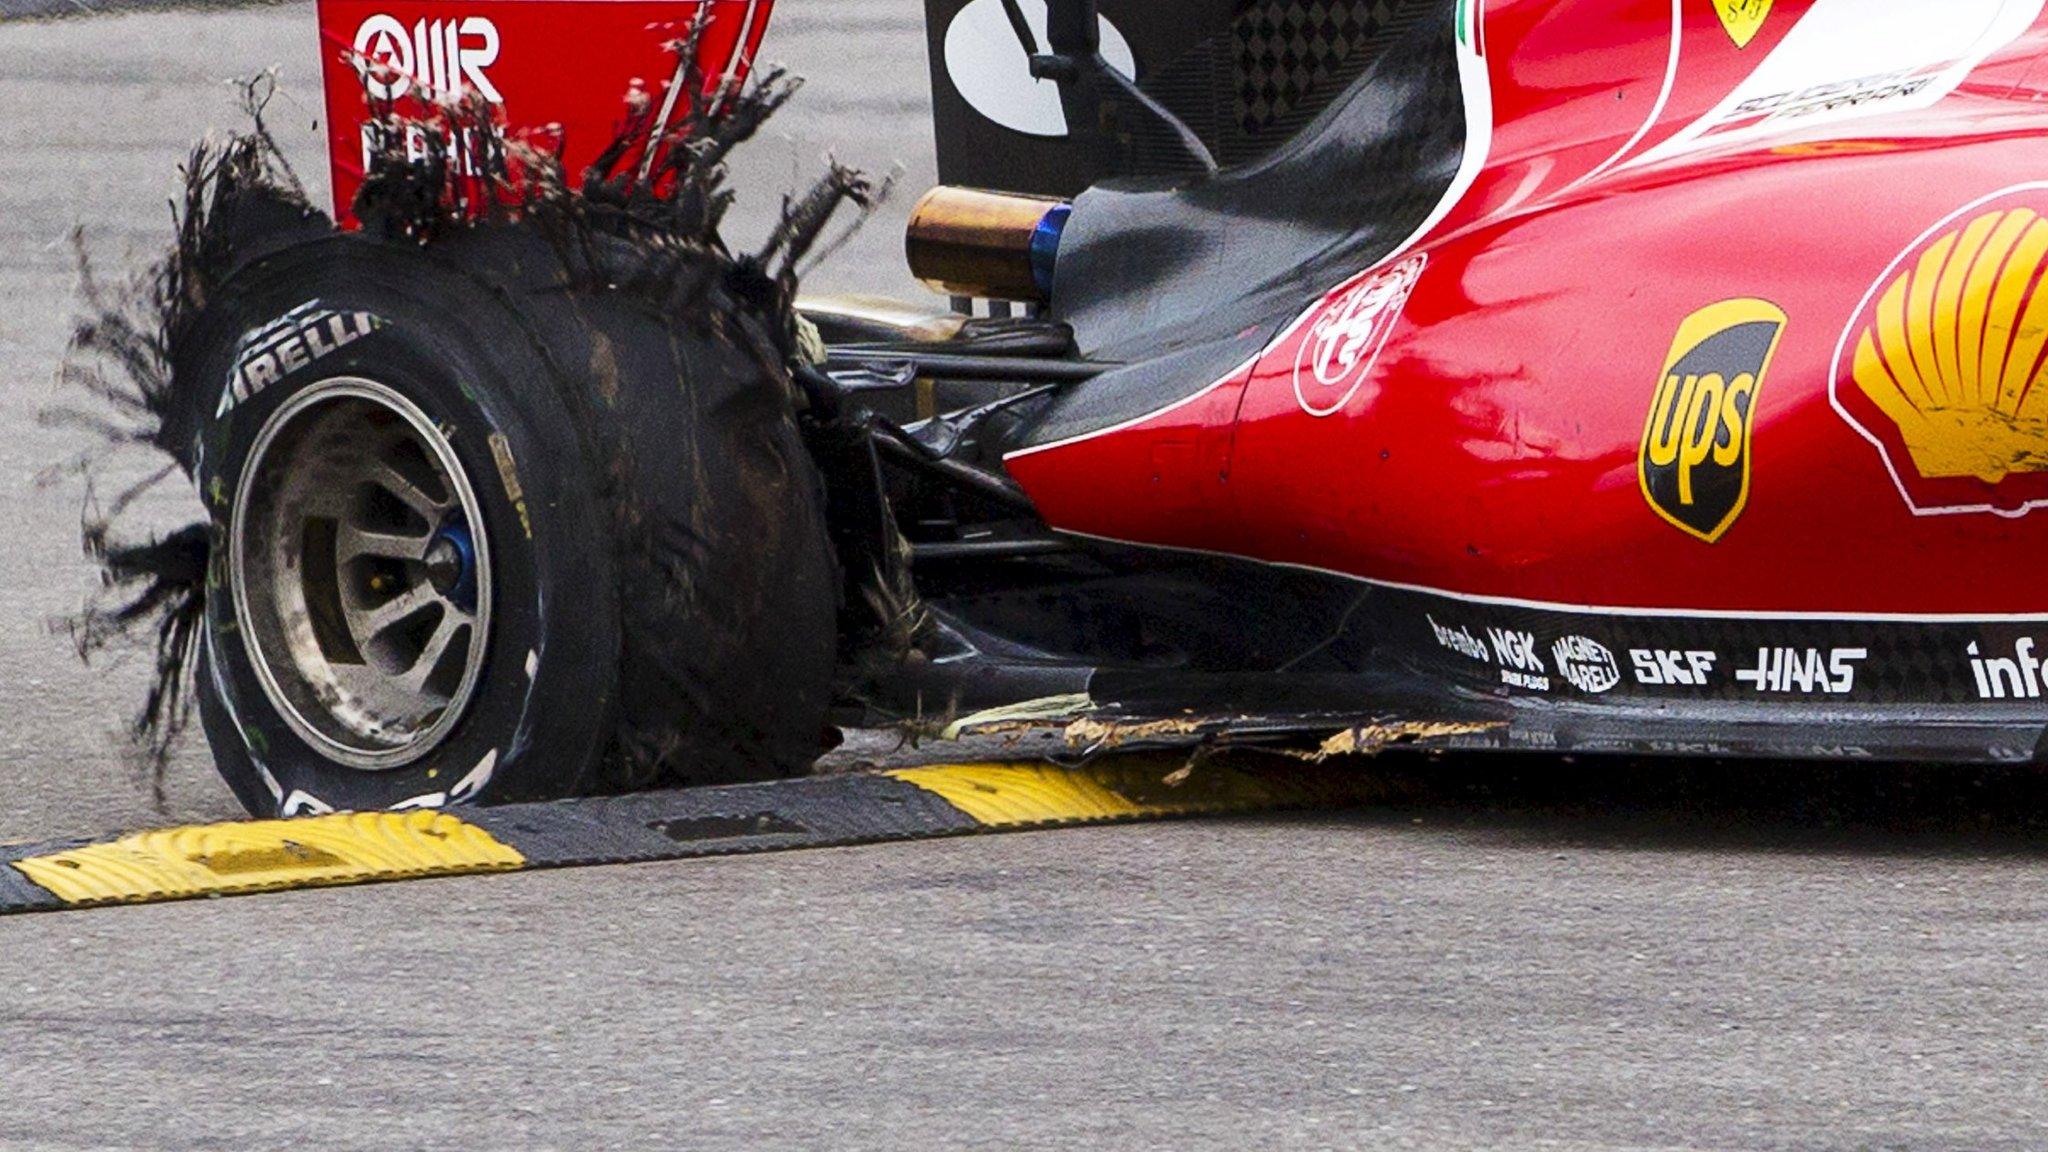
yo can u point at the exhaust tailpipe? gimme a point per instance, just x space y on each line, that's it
988 245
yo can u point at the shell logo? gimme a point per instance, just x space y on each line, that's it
1945 369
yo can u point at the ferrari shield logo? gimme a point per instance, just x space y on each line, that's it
1743 18
1694 462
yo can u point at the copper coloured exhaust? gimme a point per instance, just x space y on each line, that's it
988 245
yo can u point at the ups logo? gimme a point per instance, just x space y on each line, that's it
1694 462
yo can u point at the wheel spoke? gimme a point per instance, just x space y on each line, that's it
351 542
414 679
383 475
380 619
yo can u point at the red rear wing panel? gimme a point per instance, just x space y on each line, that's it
550 67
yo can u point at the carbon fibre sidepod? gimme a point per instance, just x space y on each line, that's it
1183 283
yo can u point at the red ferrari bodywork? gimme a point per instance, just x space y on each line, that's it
1699 413
1477 414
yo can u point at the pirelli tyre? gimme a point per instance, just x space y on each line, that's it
482 534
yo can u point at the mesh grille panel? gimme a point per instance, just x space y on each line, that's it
1278 64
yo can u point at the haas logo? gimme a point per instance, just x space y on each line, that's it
444 57
1345 341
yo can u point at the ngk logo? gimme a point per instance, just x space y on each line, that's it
443 56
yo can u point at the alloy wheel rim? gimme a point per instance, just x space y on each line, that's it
361 573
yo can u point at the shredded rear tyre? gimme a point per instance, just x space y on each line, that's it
602 562
482 533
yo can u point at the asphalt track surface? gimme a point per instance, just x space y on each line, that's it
1545 956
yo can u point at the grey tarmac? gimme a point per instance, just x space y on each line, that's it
1516 955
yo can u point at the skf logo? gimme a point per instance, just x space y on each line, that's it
1743 18
445 57
1346 338
1670 668
1694 463
1943 369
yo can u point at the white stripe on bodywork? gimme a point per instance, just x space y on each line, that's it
1656 111
669 99
739 58
1839 42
